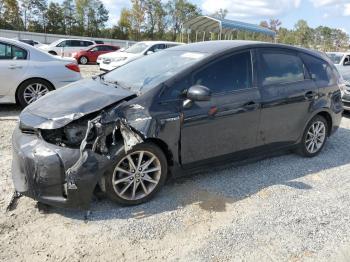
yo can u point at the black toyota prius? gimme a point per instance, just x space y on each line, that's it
184 108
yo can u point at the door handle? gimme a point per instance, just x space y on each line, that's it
14 67
310 95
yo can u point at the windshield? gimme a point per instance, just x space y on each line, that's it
148 72
137 48
336 58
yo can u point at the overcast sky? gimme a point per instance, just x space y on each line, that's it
333 13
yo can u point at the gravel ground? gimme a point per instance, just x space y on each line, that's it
285 208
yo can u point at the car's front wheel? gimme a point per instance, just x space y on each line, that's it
315 137
31 90
137 175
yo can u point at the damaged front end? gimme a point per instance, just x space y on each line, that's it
62 167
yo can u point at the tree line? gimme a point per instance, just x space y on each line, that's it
148 20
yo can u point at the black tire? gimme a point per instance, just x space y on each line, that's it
83 60
21 89
52 52
302 149
119 156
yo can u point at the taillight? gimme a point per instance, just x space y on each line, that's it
73 67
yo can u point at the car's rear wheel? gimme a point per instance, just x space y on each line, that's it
31 90
315 137
137 175
83 60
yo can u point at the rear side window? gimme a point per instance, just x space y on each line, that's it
86 43
320 70
280 68
229 74
9 52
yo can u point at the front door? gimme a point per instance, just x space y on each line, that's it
227 123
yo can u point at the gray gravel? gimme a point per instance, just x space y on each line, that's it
285 208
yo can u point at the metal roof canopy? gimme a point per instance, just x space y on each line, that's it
224 26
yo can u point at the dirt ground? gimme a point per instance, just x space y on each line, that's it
285 208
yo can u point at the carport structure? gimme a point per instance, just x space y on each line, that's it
207 25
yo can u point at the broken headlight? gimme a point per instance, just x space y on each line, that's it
71 135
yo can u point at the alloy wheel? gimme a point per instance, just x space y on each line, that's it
34 91
83 60
136 175
315 137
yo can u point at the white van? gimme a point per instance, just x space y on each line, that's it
65 47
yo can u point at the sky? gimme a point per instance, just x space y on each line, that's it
332 13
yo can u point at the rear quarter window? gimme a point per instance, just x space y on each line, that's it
320 70
279 67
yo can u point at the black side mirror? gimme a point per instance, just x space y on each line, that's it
198 93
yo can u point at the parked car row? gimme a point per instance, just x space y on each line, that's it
178 110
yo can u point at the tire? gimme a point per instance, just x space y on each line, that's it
83 60
40 86
305 146
52 52
129 180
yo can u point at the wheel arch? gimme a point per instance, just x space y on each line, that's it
32 78
324 112
164 147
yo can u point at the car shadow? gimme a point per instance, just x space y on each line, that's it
9 112
213 190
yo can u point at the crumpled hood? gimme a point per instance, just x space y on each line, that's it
62 106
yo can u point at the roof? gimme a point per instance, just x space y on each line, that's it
221 46
160 42
215 25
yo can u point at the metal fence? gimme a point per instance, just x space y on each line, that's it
49 38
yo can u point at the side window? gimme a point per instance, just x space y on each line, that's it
18 53
75 43
157 47
96 48
63 44
9 52
228 74
5 51
280 68
86 43
320 70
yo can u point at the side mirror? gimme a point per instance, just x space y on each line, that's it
149 52
198 93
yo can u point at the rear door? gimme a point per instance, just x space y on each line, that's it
227 123
13 64
287 95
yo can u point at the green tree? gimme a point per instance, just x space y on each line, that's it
179 11
55 19
68 7
10 15
221 13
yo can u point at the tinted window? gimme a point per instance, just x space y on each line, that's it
157 48
99 42
228 74
86 43
12 52
280 68
319 70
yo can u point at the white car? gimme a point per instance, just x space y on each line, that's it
341 62
66 47
27 73
113 60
